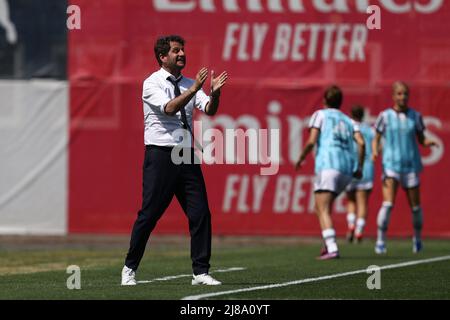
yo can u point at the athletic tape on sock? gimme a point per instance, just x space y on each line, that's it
383 216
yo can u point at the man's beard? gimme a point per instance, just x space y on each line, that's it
182 60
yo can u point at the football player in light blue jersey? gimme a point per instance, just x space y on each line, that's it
333 133
401 128
358 191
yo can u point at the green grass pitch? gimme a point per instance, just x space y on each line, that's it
36 272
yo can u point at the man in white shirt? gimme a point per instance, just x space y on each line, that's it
169 100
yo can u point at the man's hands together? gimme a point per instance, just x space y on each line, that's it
216 82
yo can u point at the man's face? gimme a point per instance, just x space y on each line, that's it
401 96
175 58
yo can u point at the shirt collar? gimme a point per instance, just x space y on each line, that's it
167 74
404 111
334 109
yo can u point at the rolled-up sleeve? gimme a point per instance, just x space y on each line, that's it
154 95
201 100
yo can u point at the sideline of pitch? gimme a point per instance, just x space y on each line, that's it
332 276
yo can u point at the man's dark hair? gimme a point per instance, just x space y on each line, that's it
333 97
357 112
162 45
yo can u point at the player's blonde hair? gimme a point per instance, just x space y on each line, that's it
399 83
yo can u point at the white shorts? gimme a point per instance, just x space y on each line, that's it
407 180
331 180
359 185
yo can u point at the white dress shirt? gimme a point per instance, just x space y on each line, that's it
156 93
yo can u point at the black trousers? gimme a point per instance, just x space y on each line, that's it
162 179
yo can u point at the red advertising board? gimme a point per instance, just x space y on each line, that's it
280 56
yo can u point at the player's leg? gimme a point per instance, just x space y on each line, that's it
412 189
351 214
323 202
389 190
327 185
362 200
192 196
159 178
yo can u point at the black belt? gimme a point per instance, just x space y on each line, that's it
165 148
154 146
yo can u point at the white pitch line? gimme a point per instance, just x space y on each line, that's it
190 275
338 275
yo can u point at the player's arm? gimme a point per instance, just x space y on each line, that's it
376 145
216 85
174 105
423 140
380 128
309 146
361 153
420 133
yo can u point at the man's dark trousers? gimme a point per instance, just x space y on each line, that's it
162 179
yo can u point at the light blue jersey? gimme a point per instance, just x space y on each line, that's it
335 148
368 168
400 147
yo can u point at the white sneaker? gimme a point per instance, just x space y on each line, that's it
128 277
380 248
205 279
